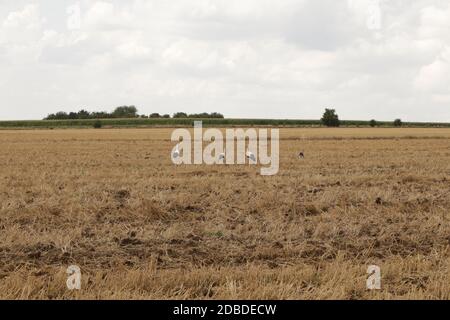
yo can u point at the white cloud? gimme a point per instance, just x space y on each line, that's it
27 18
435 77
435 22
104 15
22 27
252 58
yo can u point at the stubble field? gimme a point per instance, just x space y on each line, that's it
139 227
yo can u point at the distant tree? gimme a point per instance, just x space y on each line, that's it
203 115
51 116
373 123
125 112
83 114
119 112
100 115
61 115
180 115
73 115
330 118
398 123
217 115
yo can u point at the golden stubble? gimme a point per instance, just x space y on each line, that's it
140 227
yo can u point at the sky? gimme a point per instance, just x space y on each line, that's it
284 59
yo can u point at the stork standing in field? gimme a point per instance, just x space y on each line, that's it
176 153
250 156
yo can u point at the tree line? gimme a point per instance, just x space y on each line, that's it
127 112
331 119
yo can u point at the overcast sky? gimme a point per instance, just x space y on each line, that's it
380 59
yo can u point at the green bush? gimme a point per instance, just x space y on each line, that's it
97 124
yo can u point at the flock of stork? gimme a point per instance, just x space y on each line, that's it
249 155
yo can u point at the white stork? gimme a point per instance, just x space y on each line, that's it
176 153
250 156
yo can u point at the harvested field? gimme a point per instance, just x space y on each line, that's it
111 202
